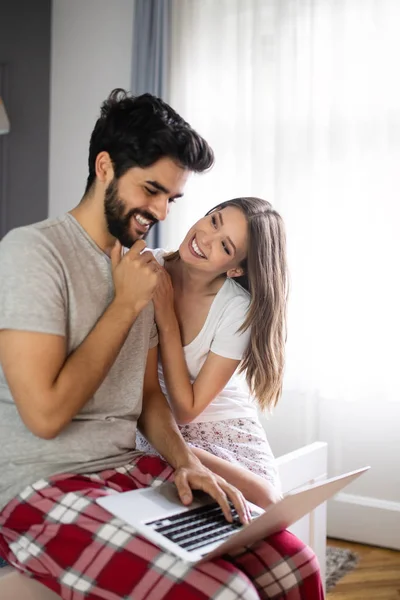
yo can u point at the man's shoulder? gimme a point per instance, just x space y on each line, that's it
33 248
35 233
47 238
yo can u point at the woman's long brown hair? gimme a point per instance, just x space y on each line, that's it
266 279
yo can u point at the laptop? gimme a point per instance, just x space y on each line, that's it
200 532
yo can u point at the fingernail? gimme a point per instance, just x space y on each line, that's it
186 498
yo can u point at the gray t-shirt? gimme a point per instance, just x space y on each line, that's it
54 279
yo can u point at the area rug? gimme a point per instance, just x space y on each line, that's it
339 562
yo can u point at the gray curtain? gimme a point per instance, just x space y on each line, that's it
150 61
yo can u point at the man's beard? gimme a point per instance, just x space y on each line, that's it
118 221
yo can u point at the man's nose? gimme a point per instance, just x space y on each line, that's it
160 208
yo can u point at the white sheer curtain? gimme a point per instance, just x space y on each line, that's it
301 102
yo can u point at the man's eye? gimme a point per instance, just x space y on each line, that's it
151 192
225 247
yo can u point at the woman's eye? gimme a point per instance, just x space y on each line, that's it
171 200
225 247
214 221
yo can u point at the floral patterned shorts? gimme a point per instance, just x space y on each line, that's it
240 441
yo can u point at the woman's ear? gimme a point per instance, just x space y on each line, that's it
236 272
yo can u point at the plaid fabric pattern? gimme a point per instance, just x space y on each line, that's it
55 532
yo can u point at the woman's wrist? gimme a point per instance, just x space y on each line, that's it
168 324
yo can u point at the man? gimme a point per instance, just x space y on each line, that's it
78 355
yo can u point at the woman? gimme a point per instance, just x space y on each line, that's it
220 308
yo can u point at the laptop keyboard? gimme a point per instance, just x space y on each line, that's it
197 527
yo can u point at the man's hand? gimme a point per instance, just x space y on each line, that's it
197 477
134 275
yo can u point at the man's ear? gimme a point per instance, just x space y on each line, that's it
104 168
236 272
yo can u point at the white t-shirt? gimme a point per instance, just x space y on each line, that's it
220 335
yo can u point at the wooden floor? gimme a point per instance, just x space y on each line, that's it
376 577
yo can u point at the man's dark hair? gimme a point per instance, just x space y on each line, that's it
136 131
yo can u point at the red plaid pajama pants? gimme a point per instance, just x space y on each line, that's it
55 532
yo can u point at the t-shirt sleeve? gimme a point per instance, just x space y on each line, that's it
228 341
32 284
153 336
159 254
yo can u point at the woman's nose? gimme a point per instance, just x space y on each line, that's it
206 239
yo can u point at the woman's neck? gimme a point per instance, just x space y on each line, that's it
188 280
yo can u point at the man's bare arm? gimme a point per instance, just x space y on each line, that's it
50 388
157 422
158 425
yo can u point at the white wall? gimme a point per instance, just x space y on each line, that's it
358 434
90 55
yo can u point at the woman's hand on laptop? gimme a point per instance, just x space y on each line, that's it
195 476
